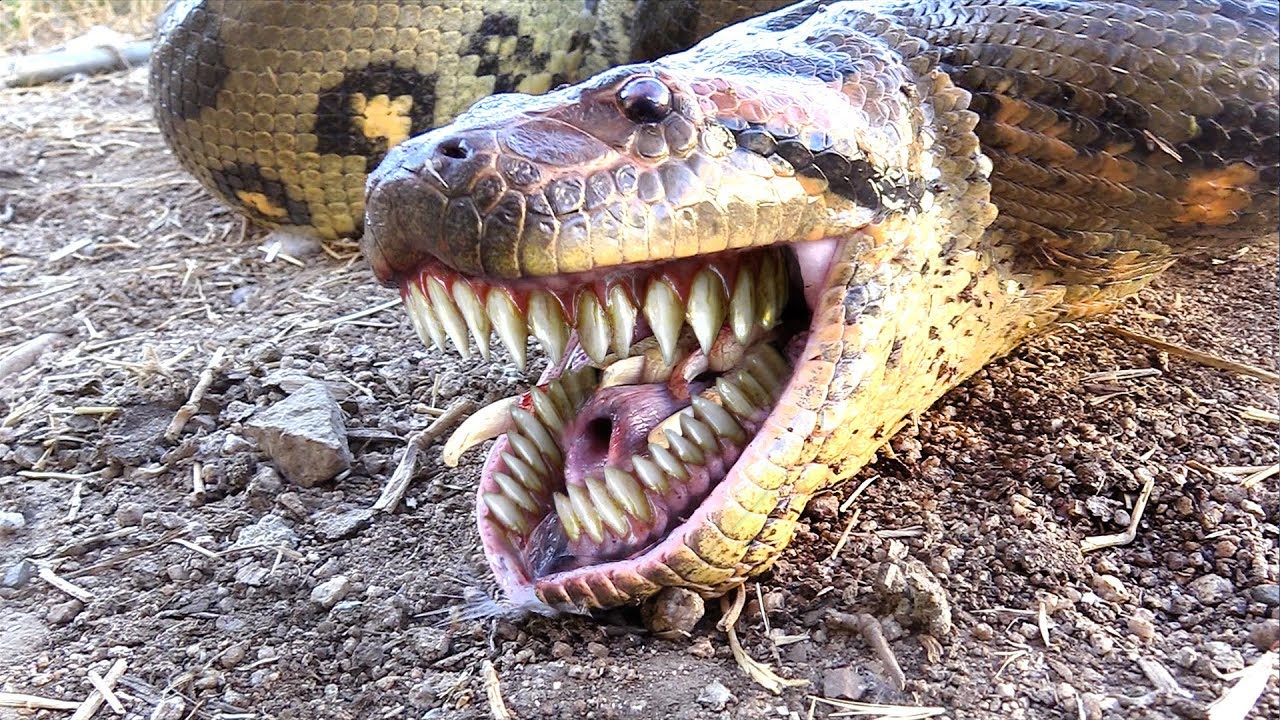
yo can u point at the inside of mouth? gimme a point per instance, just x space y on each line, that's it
660 376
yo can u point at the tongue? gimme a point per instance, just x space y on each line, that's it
614 425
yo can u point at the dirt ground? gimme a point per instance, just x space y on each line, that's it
142 279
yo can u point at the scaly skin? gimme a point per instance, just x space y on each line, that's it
973 216
987 171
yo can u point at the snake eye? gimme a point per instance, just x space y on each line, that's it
645 100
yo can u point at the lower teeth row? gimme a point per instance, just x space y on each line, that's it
620 503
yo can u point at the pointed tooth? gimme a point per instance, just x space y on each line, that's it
768 354
627 371
504 510
665 315
684 448
607 507
528 452
568 520
755 391
669 463
763 371
735 399
719 419
509 324
449 316
623 314
515 490
767 292
564 404
424 318
585 511
522 471
706 309
650 474
670 422
742 307
593 327
484 424
533 429
624 488
547 411
474 314
698 432
547 322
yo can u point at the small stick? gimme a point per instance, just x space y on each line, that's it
91 704
99 683
23 701
1098 542
75 591
493 689
1195 355
192 405
398 484
197 480
870 629
758 671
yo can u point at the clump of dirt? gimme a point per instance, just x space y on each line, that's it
227 589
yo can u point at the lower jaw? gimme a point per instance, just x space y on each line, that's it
574 520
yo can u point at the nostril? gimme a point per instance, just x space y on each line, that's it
455 148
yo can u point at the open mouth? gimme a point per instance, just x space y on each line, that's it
661 375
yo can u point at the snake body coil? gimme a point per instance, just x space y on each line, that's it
748 261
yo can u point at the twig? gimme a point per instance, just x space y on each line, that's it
393 492
493 689
192 405
758 671
1236 703
75 591
99 683
1098 542
1195 355
23 701
90 706
850 708
870 629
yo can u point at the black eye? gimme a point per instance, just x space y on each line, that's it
645 100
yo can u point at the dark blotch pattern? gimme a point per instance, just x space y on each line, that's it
335 131
192 57
236 178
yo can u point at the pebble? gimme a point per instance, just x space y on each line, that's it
328 593
18 574
1265 635
983 632
304 435
825 507
1111 589
701 648
339 526
561 650
1141 625
12 523
1211 589
1223 656
673 612
170 708
715 696
598 650
269 531
130 514
843 683
1268 595
63 613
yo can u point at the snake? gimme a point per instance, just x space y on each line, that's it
752 239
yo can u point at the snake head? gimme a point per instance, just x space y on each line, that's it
692 244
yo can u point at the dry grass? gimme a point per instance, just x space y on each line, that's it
34 25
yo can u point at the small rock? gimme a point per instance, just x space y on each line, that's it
598 650
1223 656
1111 589
715 696
338 526
269 531
844 683
1265 635
561 650
328 593
171 708
916 596
263 488
1140 624
825 507
12 523
304 435
130 514
252 574
1268 595
63 613
1090 706
18 574
1211 589
673 612
701 648
982 631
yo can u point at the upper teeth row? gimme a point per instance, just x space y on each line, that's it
461 309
